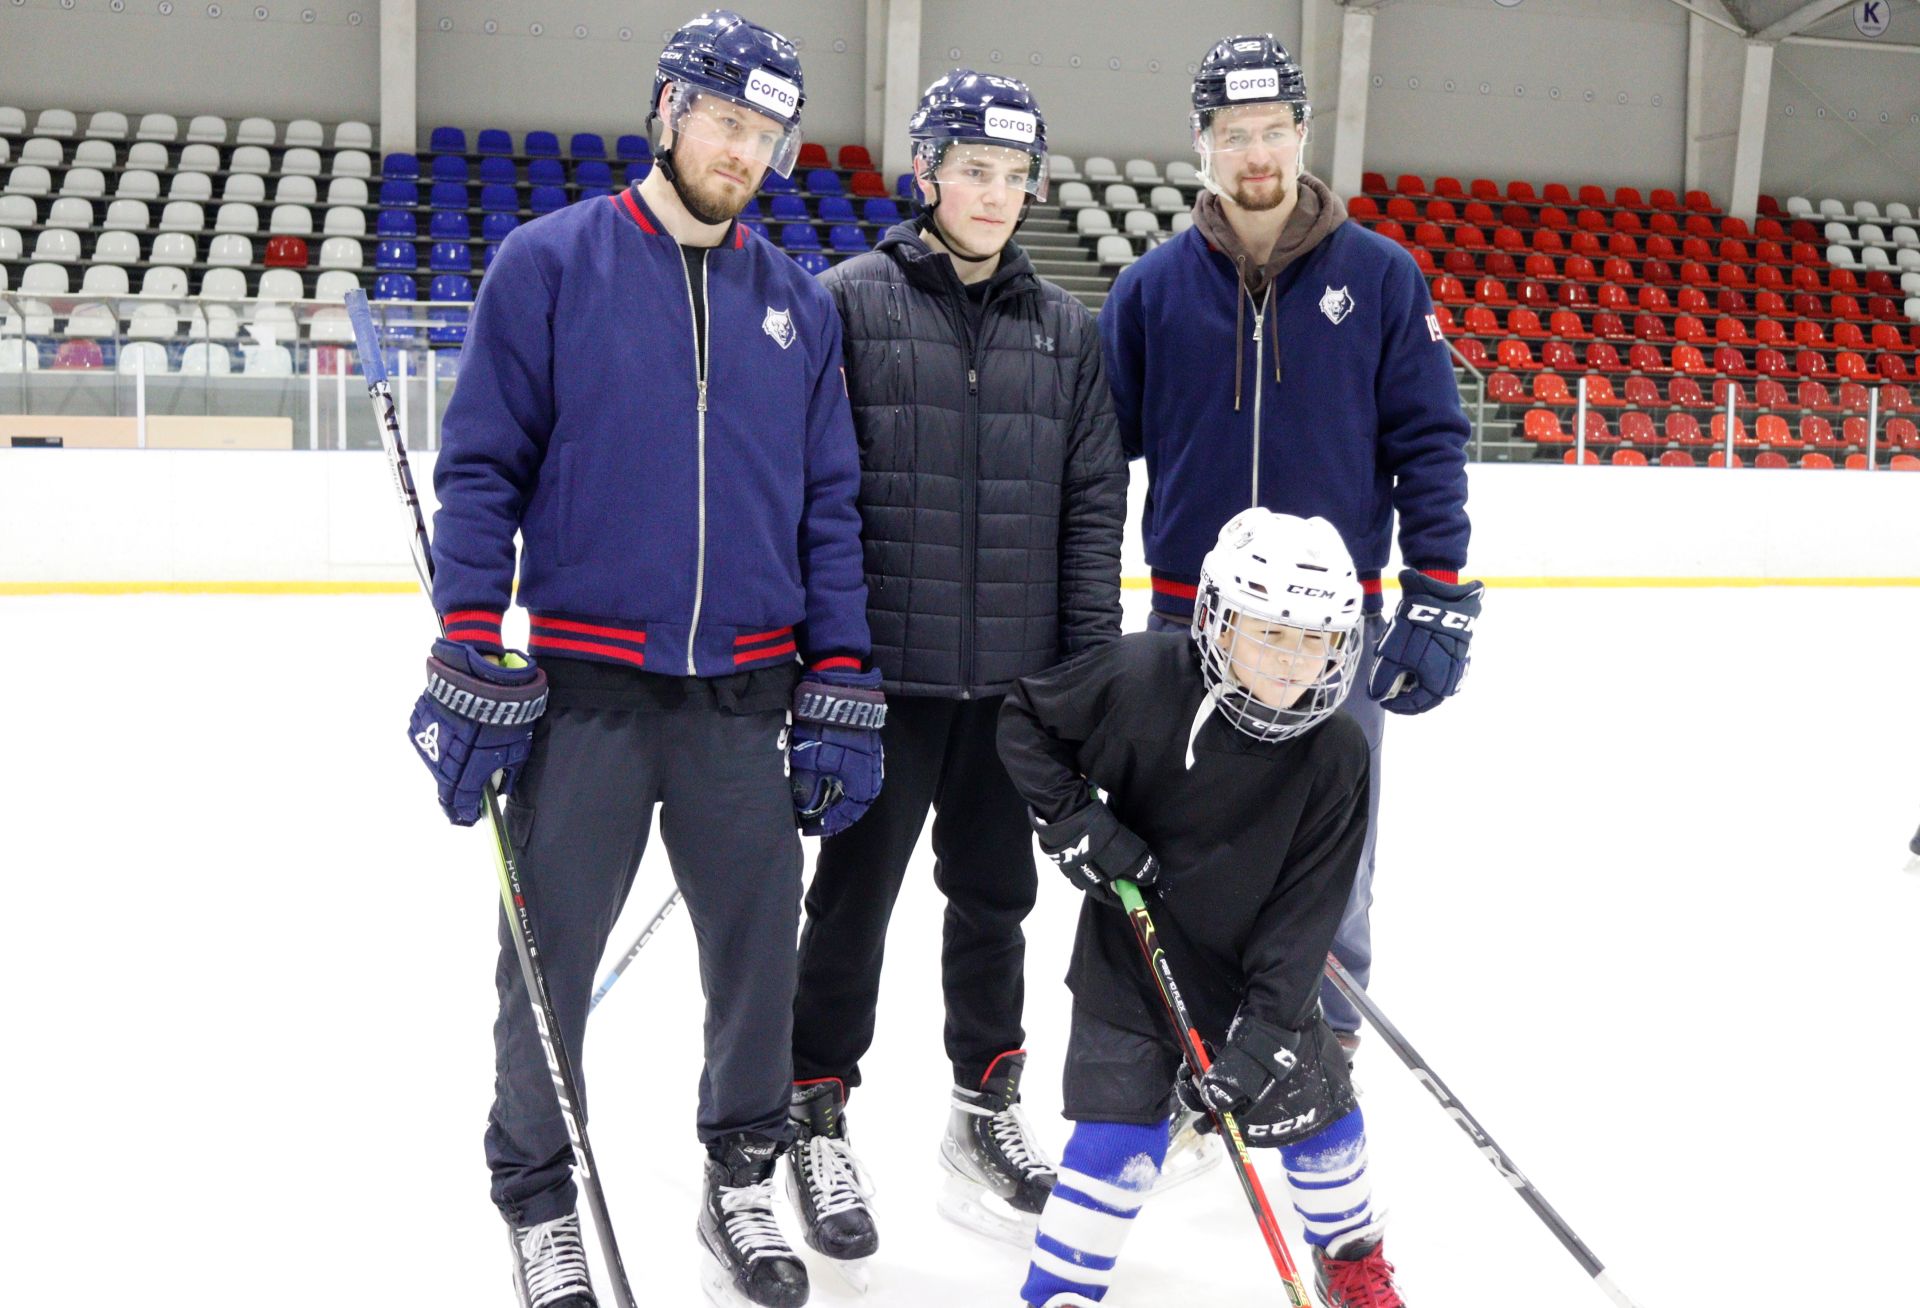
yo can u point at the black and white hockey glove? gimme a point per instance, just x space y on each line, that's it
1281 1084
1093 849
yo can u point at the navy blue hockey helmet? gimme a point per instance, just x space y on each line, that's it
1248 70
722 54
980 109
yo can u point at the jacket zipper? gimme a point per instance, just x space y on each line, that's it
969 457
700 348
1259 366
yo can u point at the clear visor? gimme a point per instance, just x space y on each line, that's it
982 166
1227 131
1272 679
756 136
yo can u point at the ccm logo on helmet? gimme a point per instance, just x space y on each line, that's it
1253 84
1311 592
775 93
1010 124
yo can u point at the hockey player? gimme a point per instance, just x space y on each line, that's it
993 493
1237 795
1276 354
651 397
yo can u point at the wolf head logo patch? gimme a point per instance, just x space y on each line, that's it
1336 304
779 324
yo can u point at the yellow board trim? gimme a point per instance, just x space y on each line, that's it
8 588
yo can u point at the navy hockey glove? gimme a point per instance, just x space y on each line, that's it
1423 657
834 760
474 719
1282 1085
1093 849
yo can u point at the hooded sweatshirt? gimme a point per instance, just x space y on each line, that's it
1315 383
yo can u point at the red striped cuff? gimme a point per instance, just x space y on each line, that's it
477 627
1451 576
764 646
838 662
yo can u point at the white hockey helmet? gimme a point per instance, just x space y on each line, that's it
1277 619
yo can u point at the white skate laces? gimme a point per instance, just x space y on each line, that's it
1014 1134
750 1221
552 1260
838 1181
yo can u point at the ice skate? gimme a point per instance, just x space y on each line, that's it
1363 1279
826 1185
550 1265
998 1178
751 1263
1190 1153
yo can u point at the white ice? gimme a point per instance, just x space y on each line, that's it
1642 902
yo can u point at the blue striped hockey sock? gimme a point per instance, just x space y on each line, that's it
1327 1175
1108 1170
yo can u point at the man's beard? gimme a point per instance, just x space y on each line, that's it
705 205
1261 200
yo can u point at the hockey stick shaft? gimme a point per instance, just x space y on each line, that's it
1512 1175
633 951
513 900
1196 1055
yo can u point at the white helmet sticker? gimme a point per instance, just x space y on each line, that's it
1253 84
774 92
1011 124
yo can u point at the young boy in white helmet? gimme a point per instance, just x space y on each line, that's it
1236 794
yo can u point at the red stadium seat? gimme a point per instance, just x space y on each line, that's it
1461 263
1812 363
1768 459
1771 429
1533 293
1542 267
854 157
1691 299
1725 387
1518 354
1771 363
1482 321
1521 192
1812 395
1729 330
1602 357
1663 199
1848 336
1573 295
1524 322
1770 394
1683 392
1505 388
1490 290
1893 367
1373 183
1853 432
1649 327
1624 221
1551 388
814 155
1683 429
1768 332
1443 314
1580 268
1442 211
1905 463
1688 359
1629 197
1689 329
1718 429
1608 295
867 184
1853 397
1620 271
1431 235
1718 459
1473 351
1644 357
1896 399
1815 461
1483 188
1403 210
1410 184
1448 186
1653 299
1810 334
1499 263
1902 434
1542 426
1580 456
1729 300
1625 458
1856 463
1850 364
1676 459
1701 201
1600 392
1509 238
1642 391
1637 428
1659 247
1558 354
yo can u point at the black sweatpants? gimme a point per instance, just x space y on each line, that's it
940 753
579 821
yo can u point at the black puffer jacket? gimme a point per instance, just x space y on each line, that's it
993 489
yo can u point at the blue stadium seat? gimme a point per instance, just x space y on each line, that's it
399 195
812 260
824 181
637 171
451 286
541 145
547 172
486 259
880 210
593 172
799 236
495 226
494 141
451 256
848 239
787 209
452 328
587 145
447 140
778 185
397 222
448 195
757 227
399 167
903 186
633 147
449 168
392 255
447 225
546 199
395 286
500 199
837 209
498 170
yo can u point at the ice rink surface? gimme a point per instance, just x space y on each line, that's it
1642 903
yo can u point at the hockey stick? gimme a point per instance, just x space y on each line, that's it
1196 1055
633 951
566 1086
1502 1164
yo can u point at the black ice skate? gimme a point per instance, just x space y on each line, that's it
550 1265
998 1177
753 1266
1189 1152
825 1182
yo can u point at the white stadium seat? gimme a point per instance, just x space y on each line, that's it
108 125
29 179
45 279
1872 234
340 252
1837 233
1912 308
281 284
1098 168
1122 196
95 154
1167 199
56 122
191 186
302 161
267 361
38 317
352 163
170 282
1833 209
291 220
245 188
1874 257
138 184
183 216
347 191
223 284
18 211
9 244
88 182
57 245
70 211
250 159
330 325
334 285
1899 213
117 247
1905 237
158 127
1182 173
255 131
206 321
127 216
1141 172
142 356
17 355
1075 195
147 154
1182 221
204 359
1866 209
92 319
1140 222
1092 222
296 190
174 248
1114 251
1062 168
12 121
43 150
237 217
153 322
353 135
199 158
104 279
344 221
208 128
230 250
1841 256
6 150
305 131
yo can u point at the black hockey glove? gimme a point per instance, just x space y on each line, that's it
1093 850
1424 655
1279 1083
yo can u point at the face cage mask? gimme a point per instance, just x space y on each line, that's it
1320 698
697 114
1203 146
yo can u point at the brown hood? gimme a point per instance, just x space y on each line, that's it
1315 214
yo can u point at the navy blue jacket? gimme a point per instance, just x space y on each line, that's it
1346 374
682 534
